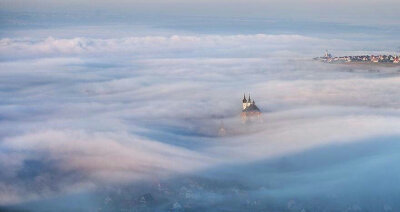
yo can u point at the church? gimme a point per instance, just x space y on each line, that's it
250 110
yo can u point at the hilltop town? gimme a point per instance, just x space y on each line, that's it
364 59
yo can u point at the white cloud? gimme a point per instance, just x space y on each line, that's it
93 112
151 45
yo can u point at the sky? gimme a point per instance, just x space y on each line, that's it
117 106
338 10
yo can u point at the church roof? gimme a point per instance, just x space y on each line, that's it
252 108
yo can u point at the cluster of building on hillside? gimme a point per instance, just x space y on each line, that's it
362 58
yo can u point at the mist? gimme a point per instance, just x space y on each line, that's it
126 117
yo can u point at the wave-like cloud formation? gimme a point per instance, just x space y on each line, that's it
81 114
152 46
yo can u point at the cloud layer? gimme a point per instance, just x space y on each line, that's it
80 114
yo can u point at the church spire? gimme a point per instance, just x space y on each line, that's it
244 98
249 98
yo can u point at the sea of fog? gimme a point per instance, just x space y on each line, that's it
124 118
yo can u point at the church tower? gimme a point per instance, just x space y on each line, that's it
244 101
250 111
248 102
